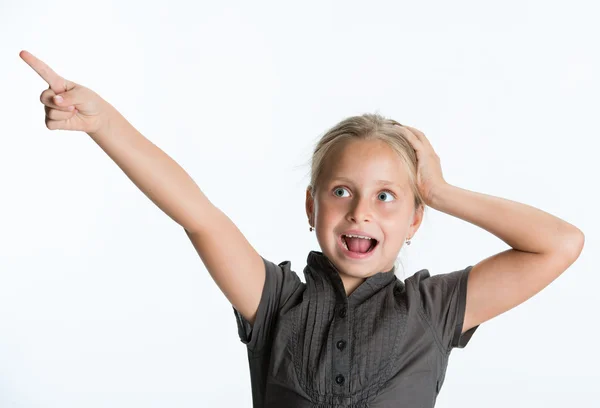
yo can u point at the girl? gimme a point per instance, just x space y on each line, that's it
353 335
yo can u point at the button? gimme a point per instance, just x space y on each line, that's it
343 312
341 344
339 379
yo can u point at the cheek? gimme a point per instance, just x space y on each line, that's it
387 214
328 208
392 218
391 224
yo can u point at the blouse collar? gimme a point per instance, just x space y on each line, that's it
318 266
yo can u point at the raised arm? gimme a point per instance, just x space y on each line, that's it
232 262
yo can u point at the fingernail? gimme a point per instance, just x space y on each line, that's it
58 99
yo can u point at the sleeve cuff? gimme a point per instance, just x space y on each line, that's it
458 340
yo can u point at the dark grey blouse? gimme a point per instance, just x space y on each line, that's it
385 345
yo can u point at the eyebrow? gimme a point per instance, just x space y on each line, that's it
380 182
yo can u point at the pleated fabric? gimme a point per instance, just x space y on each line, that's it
385 345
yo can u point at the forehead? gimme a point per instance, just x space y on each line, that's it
365 162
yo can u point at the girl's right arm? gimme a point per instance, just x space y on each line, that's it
235 266
233 263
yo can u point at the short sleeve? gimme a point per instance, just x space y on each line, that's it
280 283
444 298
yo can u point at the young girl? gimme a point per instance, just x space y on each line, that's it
353 335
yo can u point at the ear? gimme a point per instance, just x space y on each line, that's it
310 208
416 221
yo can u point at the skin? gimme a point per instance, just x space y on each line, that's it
348 197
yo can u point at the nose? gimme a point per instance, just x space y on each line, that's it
359 211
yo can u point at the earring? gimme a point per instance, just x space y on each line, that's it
310 229
408 242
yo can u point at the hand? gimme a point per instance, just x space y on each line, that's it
80 108
429 169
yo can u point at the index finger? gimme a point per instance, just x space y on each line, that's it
56 82
420 135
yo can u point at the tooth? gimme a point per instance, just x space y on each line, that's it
357 236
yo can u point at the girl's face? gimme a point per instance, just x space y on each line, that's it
363 187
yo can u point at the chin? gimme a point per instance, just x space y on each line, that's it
361 268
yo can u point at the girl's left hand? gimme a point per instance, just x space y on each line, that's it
429 169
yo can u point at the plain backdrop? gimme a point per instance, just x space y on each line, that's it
103 300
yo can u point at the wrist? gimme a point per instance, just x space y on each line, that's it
438 193
107 123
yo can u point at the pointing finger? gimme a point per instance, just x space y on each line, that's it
57 83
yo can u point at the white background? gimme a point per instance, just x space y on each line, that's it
103 300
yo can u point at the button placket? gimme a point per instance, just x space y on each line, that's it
341 358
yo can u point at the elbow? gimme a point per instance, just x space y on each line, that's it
573 244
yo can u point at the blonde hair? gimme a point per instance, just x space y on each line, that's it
369 126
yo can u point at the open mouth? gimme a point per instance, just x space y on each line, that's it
358 244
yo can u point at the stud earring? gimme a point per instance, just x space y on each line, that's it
408 242
311 229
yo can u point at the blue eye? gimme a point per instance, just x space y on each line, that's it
382 194
338 189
